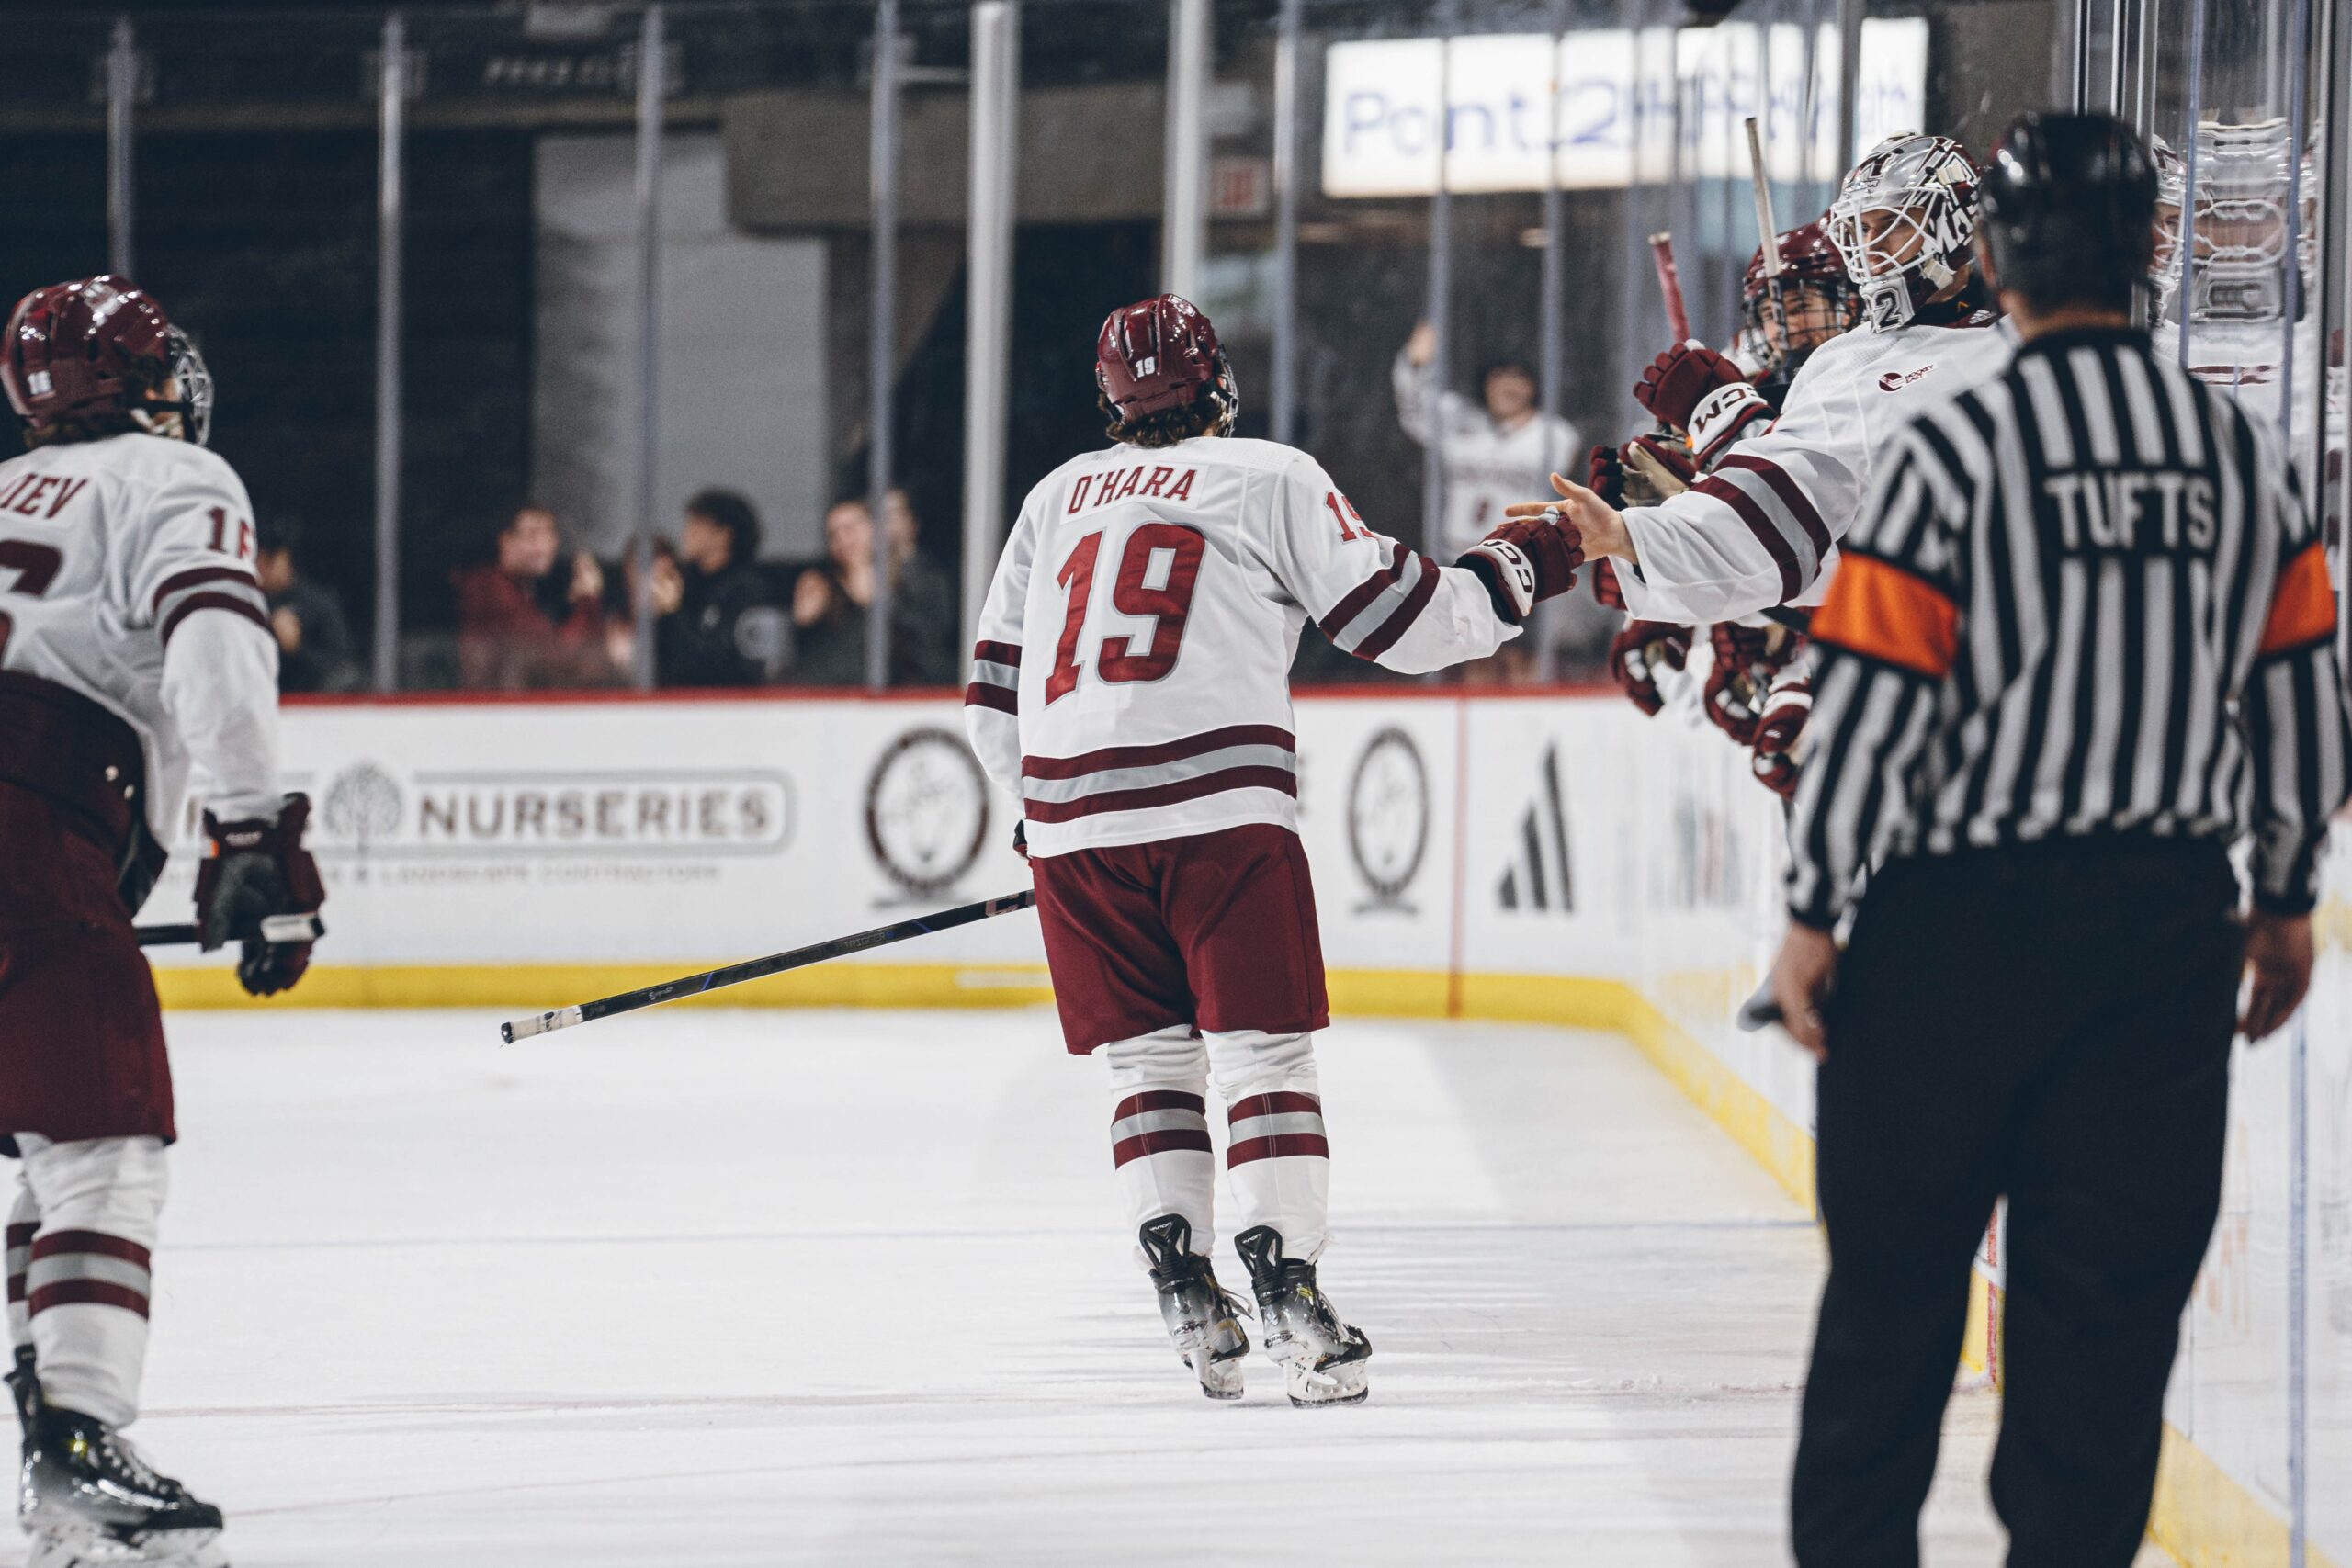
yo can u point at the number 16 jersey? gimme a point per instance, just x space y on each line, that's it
1132 678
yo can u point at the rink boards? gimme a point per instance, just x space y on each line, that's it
1545 857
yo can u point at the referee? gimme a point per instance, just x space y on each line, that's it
2081 642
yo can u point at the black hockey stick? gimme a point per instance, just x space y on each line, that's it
758 968
273 928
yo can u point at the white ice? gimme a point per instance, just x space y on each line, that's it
705 1288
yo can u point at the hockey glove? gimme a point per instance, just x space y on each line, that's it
251 870
1725 415
1604 585
1738 678
1021 840
1526 561
1642 649
1786 707
1677 381
1655 470
1604 475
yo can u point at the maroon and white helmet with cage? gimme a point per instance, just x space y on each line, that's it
1902 221
1817 300
101 345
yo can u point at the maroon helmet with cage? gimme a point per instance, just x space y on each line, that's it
98 347
1161 354
1807 257
1817 298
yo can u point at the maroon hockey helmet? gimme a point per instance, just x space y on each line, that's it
1161 354
100 345
1818 301
1807 257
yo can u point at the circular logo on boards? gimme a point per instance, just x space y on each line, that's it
1388 816
926 811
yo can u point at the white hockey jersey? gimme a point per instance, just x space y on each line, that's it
126 575
1761 528
1486 467
1131 680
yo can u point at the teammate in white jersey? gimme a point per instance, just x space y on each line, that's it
134 640
1132 689
1761 529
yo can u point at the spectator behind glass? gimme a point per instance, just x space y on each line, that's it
523 626
718 626
830 603
314 648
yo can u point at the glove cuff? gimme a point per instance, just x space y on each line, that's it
1722 416
1508 576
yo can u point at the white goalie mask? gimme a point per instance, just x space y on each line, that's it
1901 221
2239 228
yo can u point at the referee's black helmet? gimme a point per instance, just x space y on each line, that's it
2068 209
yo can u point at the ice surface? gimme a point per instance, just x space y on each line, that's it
705 1288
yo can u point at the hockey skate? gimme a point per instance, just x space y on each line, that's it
1323 1360
89 1500
1201 1315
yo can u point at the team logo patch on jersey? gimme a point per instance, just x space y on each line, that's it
1388 819
1895 380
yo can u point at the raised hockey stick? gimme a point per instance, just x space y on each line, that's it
1670 282
758 968
1767 228
272 928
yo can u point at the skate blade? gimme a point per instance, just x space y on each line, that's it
1219 1380
87 1547
1347 1383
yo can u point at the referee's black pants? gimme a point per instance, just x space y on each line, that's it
2051 1022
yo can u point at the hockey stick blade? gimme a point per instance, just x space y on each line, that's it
759 968
272 928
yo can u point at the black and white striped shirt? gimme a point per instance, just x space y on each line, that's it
2084 599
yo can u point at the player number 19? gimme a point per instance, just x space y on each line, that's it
1132 593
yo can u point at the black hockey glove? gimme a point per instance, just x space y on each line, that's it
253 870
1021 840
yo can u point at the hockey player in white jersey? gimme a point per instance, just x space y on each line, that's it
134 640
1761 529
1131 688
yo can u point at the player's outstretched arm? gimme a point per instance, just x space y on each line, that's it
1380 601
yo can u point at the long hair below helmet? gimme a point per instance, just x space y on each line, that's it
1162 374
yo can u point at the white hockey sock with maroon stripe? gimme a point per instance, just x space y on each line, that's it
1278 1159
1159 1130
86 1283
24 1219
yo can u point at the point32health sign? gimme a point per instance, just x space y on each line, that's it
1510 94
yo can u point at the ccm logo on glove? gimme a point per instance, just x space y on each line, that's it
1526 561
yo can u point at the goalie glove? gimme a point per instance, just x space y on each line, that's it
251 870
1526 561
1639 653
1781 728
